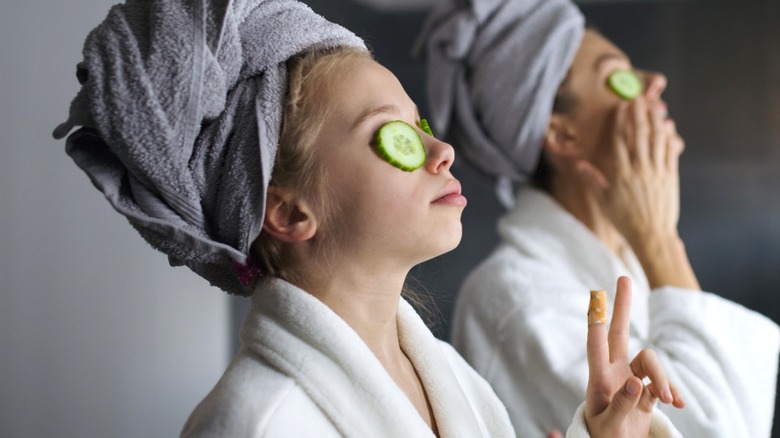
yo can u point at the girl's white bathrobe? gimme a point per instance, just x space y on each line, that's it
520 316
303 372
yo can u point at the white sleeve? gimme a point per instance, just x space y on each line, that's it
660 426
721 356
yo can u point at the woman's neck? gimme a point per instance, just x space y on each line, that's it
581 204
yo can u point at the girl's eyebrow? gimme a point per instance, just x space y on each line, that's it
384 109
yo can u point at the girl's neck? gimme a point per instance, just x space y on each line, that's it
366 300
366 296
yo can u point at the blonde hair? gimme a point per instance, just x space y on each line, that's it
297 161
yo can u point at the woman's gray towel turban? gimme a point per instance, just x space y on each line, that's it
493 68
180 108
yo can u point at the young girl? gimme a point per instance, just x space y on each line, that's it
358 194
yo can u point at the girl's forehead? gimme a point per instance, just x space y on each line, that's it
361 86
362 74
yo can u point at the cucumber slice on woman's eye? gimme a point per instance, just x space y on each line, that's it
625 84
425 127
400 145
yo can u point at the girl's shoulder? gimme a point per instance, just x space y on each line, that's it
253 399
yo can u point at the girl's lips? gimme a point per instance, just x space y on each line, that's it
451 195
455 199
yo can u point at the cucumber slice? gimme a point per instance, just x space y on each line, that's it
425 127
625 84
400 145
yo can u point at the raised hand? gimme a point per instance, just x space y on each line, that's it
640 193
617 403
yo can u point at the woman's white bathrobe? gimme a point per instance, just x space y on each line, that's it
520 318
303 372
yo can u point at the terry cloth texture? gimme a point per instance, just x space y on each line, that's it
304 372
180 108
493 68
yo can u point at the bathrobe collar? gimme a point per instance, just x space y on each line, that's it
304 339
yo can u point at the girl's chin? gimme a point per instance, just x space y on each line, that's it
445 246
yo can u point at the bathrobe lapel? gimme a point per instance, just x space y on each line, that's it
452 411
303 338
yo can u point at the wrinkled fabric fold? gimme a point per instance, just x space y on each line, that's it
180 111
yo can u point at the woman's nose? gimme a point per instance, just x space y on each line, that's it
655 84
440 155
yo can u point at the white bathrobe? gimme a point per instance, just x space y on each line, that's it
521 315
303 372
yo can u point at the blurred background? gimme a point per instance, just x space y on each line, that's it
100 337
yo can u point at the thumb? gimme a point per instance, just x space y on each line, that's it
626 399
592 176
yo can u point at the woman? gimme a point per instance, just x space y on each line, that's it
332 226
530 95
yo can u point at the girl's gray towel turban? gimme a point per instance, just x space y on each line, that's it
493 68
180 108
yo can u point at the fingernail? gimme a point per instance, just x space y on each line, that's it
667 395
633 387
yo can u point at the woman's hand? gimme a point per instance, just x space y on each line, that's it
617 403
639 190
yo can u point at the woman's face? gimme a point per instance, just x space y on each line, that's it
385 216
595 60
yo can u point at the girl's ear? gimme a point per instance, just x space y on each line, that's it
287 217
561 139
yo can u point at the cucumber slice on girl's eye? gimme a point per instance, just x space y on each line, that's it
625 84
400 145
425 127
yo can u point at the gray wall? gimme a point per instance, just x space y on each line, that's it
98 335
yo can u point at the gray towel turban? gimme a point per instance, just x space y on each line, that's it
180 108
493 68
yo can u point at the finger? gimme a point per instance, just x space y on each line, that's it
620 135
676 145
620 327
660 136
671 127
678 401
647 401
598 349
593 177
646 364
625 400
641 131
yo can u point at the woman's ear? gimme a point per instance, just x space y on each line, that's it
287 217
561 140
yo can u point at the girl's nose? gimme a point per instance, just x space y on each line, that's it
655 84
440 155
